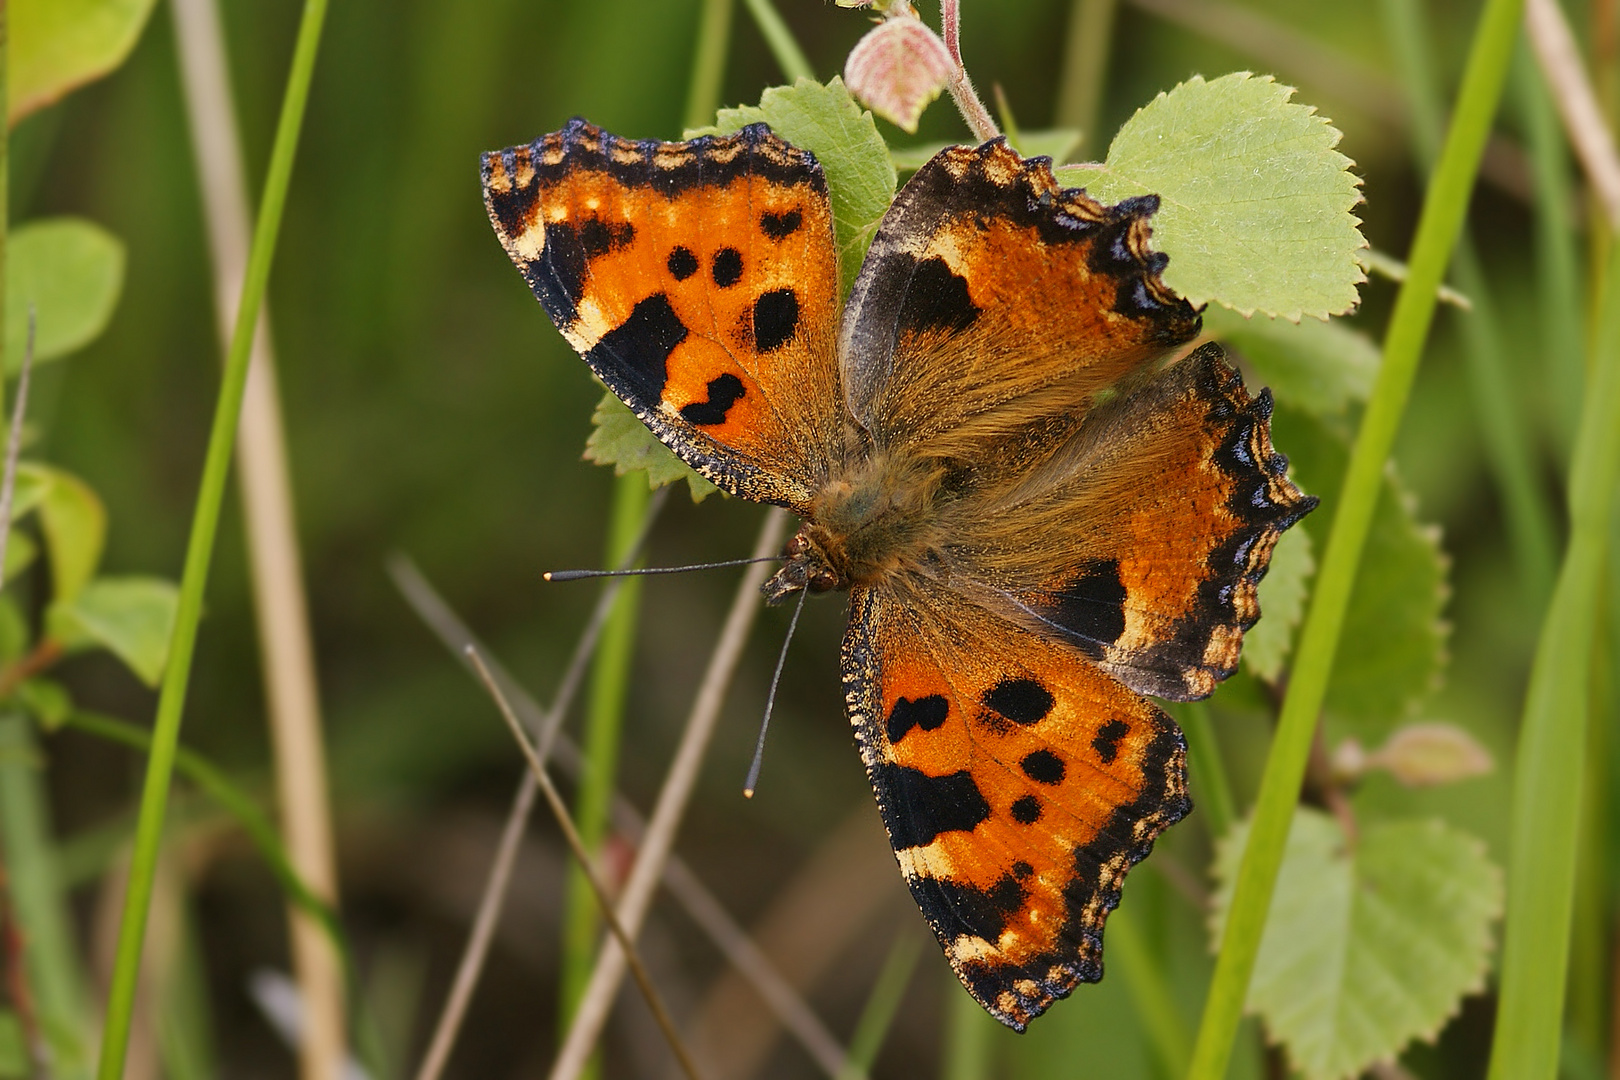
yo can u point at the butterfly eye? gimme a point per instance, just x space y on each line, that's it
823 580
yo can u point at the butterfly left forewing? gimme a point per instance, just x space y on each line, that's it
698 280
1018 782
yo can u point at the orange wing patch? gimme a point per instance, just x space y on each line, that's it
989 285
1158 521
1018 783
698 280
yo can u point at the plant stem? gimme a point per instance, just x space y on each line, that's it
1085 71
779 39
39 902
1552 739
200 548
1150 991
709 63
1504 424
888 990
1444 208
610 680
1210 784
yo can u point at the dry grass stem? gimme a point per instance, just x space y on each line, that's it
1560 61
286 655
732 940
432 609
576 844
19 409
672 799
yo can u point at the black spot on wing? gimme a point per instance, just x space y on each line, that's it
724 392
779 226
1022 869
776 319
1026 810
632 357
598 237
727 267
1091 608
682 263
927 713
918 807
1107 741
936 299
1023 701
956 908
1043 767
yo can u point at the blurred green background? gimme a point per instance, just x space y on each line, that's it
432 410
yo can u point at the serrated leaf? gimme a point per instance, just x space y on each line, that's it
132 617
71 271
1320 367
1393 649
1255 201
57 45
826 121
619 439
75 525
1367 946
1282 601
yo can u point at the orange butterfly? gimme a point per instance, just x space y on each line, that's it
1036 522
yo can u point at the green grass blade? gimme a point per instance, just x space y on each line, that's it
200 549
1552 738
779 39
1504 424
1151 993
604 721
38 895
1211 789
968 1041
1444 207
881 1005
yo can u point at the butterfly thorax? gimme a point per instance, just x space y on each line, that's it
876 519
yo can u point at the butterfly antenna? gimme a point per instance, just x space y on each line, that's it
640 571
770 701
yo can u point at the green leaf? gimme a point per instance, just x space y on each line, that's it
1255 211
71 271
826 121
75 524
1368 945
1394 643
47 701
33 481
132 617
1282 603
1320 367
619 439
57 45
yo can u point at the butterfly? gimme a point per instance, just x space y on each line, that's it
1038 521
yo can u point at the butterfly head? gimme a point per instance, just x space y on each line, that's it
808 568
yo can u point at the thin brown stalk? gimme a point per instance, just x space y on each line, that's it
1560 60
967 99
437 614
671 806
8 485
699 903
286 655
576 844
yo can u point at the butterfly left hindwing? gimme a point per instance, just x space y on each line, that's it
1018 784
